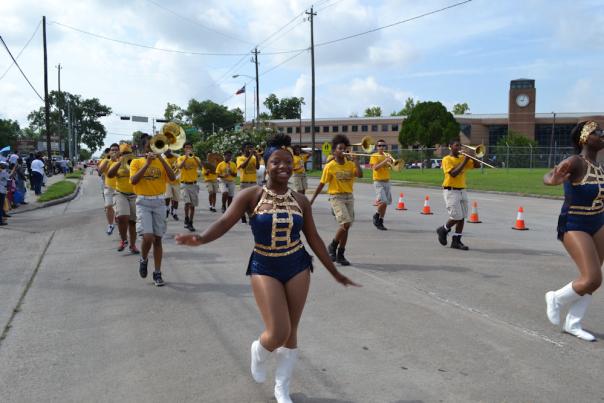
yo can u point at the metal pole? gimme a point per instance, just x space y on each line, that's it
551 141
300 130
507 158
315 161
60 111
46 100
244 103
257 86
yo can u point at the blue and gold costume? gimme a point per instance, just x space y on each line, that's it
583 208
276 224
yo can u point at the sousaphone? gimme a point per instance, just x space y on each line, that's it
175 135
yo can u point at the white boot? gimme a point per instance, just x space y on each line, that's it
259 358
556 299
573 319
286 360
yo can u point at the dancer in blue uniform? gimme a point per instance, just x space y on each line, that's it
580 226
279 266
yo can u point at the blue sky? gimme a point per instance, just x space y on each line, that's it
464 54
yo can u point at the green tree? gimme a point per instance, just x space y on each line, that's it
174 112
428 124
85 154
410 104
85 113
208 115
373 111
9 132
520 149
460 109
285 108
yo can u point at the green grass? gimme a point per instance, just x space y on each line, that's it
57 190
77 174
514 180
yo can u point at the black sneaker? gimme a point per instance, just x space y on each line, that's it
157 280
331 248
175 216
380 225
212 209
190 227
186 222
376 219
167 213
341 259
223 209
142 268
442 235
457 244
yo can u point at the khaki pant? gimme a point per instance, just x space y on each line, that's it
189 193
173 191
151 216
343 207
227 187
300 183
108 194
456 201
212 187
382 191
125 205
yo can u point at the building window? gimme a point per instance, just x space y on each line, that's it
306 129
325 129
344 128
374 128
496 132
355 128
394 148
561 138
298 129
334 129
290 130
364 128
395 128
280 129
466 129
385 128
317 129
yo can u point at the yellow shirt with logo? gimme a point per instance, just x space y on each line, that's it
339 177
153 183
299 161
208 176
382 174
450 162
122 178
172 162
188 172
221 170
249 173
109 182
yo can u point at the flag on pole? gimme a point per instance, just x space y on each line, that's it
240 90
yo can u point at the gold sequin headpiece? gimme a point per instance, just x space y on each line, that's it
586 131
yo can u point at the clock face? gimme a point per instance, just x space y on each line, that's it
522 100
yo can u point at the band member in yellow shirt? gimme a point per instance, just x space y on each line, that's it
189 164
380 164
455 166
247 165
109 189
227 172
339 176
125 199
149 176
208 171
299 176
173 187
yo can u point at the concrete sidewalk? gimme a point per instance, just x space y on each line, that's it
32 199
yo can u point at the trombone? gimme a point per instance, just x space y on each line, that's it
479 152
367 144
395 164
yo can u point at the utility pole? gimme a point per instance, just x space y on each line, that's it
46 100
257 86
70 132
316 163
60 112
551 141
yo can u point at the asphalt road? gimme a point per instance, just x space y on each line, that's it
430 324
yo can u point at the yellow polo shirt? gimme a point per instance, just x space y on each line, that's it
172 162
109 182
208 176
450 162
222 168
299 161
153 182
382 174
339 177
122 178
249 173
188 172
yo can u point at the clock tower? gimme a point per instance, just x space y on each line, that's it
521 107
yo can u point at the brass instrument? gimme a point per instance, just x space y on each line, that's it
479 152
212 160
367 144
395 164
174 134
159 144
127 160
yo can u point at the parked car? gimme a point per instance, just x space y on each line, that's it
436 163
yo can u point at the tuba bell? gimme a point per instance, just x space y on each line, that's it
175 135
127 160
159 144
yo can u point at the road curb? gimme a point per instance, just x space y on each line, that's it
51 203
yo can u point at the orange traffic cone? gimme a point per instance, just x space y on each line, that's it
520 220
401 203
474 214
426 210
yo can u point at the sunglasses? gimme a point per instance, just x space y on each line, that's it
598 132
381 145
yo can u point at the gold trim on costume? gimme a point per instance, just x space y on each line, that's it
278 254
586 131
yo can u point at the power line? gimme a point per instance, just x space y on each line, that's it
329 5
19 67
19 54
393 24
198 23
283 62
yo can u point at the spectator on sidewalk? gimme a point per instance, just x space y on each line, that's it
37 173
3 189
